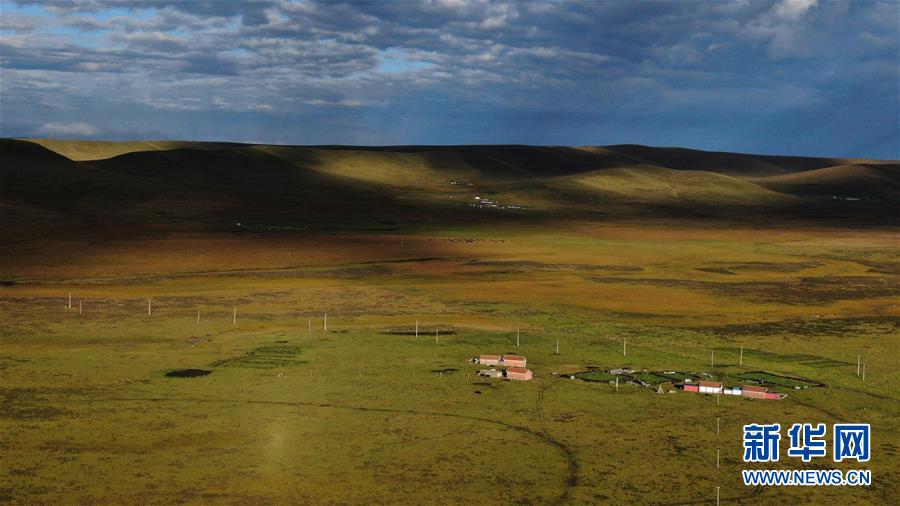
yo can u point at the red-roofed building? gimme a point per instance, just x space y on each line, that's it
514 361
519 373
749 391
710 387
754 392
489 359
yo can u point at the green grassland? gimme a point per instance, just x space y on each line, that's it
776 380
599 376
369 413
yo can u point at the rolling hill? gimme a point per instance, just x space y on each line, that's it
737 164
98 150
858 181
216 185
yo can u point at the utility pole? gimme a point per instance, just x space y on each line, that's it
712 358
79 308
437 339
325 323
624 346
417 330
70 301
741 363
617 384
309 326
717 459
149 308
517 339
858 358
717 425
234 316
557 346
198 317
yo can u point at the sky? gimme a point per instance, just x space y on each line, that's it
802 77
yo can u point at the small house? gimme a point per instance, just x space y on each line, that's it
515 361
491 373
710 387
489 360
519 373
754 392
691 388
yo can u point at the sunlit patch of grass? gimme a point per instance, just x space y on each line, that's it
374 415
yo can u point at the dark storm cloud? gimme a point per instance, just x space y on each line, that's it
721 75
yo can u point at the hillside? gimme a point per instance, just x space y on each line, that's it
737 164
861 181
655 185
98 150
216 185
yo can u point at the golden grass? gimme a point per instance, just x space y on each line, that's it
660 185
374 415
84 150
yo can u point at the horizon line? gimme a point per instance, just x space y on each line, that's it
388 146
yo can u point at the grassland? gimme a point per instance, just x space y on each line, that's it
599 376
368 413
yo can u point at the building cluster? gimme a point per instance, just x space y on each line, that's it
482 202
749 391
516 367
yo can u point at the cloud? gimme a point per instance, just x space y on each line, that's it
68 130
788 29
19 23
793 9
433 71
157 42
